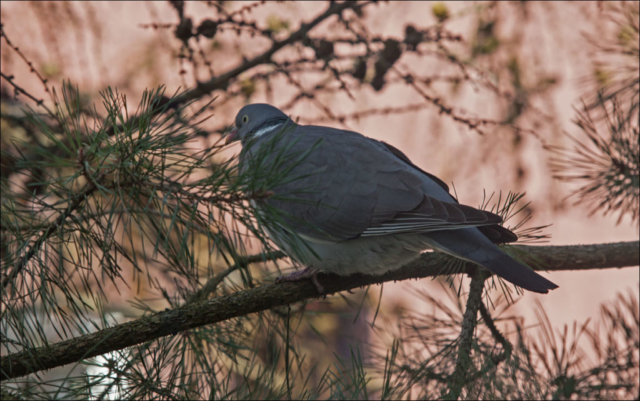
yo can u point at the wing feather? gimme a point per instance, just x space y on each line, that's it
364 188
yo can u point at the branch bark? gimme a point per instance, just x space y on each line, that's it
192 315
465 341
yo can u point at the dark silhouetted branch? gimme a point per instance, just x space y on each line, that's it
192 315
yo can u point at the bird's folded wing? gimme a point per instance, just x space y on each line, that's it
495 232
352 186
432 215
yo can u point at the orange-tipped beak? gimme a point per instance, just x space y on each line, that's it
232 136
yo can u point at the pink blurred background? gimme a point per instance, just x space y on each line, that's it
99 44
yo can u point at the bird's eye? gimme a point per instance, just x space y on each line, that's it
245 119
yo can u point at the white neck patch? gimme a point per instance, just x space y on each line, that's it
266 129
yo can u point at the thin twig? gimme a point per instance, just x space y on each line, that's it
50 229
210 286
31 67
18 89
222 81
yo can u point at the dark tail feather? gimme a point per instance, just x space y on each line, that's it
515 272
470 244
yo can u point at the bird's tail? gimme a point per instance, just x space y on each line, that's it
471 245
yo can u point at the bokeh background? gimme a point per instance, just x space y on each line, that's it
494 84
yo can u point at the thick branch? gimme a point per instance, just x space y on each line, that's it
580 257
148 328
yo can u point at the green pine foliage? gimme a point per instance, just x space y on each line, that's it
115 212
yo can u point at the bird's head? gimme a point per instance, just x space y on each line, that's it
256 120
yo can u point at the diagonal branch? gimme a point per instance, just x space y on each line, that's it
18 89
222 81
193 315
50 229
210 286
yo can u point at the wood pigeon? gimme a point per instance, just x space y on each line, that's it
351 204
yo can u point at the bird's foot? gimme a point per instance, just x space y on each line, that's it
309 272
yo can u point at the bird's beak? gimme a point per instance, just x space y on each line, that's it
232 136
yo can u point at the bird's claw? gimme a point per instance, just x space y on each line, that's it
309 272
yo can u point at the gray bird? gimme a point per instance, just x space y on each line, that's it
351 204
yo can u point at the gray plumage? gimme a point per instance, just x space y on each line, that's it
360 205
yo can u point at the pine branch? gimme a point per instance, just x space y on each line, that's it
51 228
210 286
465 342
192 315
507 348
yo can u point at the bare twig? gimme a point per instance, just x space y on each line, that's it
18 89
222 81
210 286
26 60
